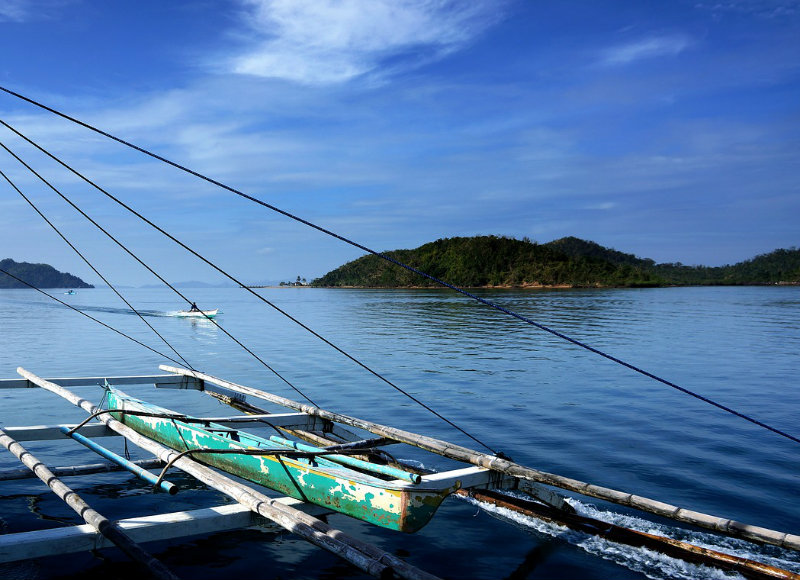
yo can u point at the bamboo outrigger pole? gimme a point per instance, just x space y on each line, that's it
721 525
99 522
75 470
364 556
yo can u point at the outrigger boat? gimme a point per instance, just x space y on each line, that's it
339 482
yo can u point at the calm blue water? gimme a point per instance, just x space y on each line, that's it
546 403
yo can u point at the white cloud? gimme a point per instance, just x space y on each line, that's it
643 49
327 42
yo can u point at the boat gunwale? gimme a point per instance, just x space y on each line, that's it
330 469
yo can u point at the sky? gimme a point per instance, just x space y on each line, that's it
669 130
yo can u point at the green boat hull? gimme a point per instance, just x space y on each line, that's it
393 505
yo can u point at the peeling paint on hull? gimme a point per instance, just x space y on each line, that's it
393 505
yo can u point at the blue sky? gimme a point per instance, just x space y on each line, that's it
670 130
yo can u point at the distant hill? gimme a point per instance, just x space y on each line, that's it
38 275
492 261
489 261
777 267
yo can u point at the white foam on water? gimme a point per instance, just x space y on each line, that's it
771 555
648 562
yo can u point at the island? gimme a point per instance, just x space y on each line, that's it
504 262
37 276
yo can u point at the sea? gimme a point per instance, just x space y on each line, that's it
545 402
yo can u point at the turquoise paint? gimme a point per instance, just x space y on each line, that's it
320 481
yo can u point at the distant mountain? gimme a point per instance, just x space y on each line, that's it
492 261
37 275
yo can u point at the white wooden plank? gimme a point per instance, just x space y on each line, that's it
40 543
52 432
171 381
481 478
464 478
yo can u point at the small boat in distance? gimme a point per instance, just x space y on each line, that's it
70 292
197 313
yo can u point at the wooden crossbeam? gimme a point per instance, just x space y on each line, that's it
65 540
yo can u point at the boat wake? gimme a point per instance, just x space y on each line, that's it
127 311
648 562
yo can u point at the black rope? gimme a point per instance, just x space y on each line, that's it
20 280
88 263
410 268
134 256
250 290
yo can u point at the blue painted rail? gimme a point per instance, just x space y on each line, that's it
352 461
170 488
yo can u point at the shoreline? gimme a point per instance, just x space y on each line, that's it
534 286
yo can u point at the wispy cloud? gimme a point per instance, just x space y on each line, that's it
646 48
602 206
760 8
328 42
25 10
15 10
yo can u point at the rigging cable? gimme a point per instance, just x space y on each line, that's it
88 263
135 257
407 267
242 285
90 317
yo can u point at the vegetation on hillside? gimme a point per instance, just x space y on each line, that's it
37 275
500 261
781 265
487 261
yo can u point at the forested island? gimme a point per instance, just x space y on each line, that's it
37 275
496 261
